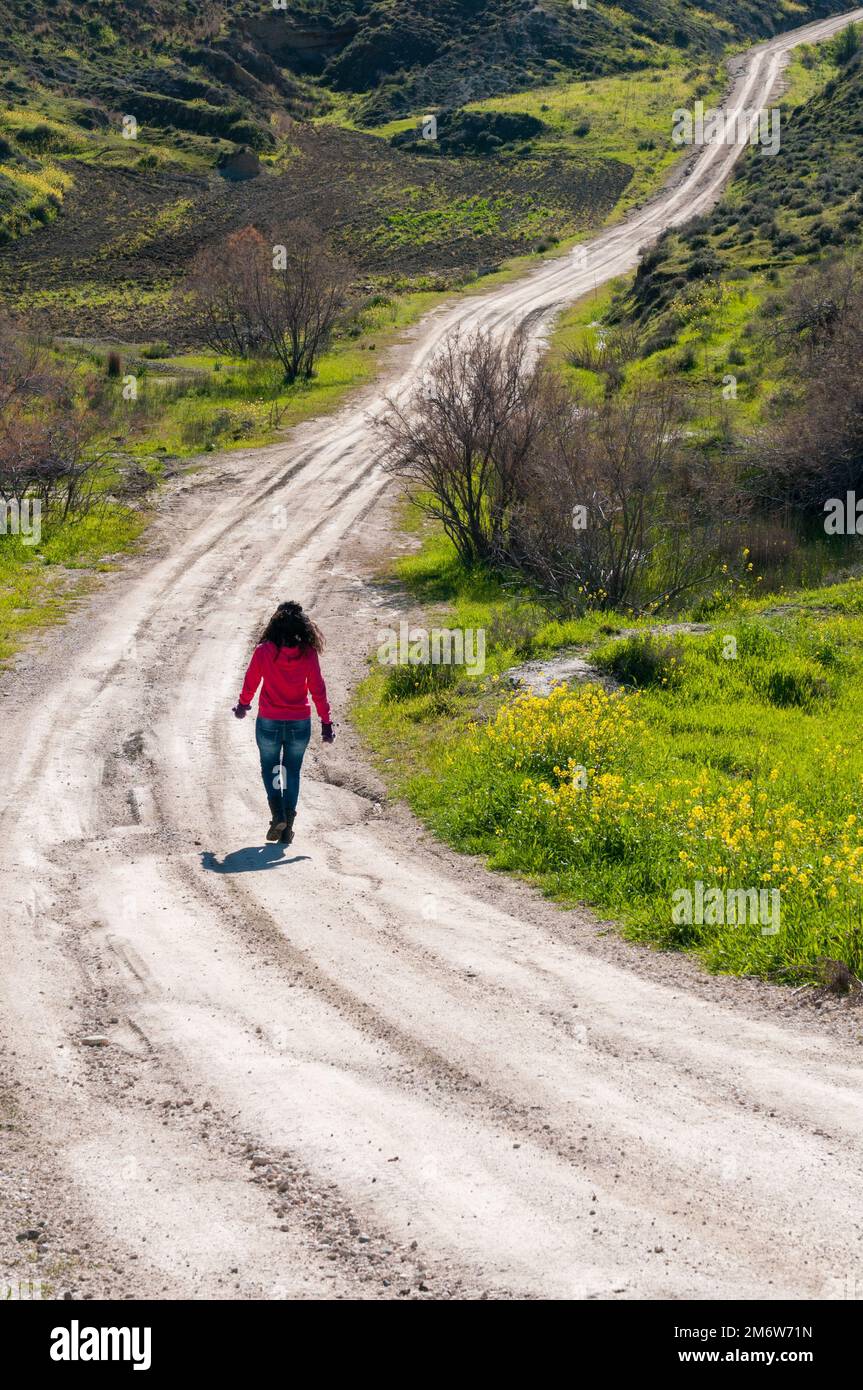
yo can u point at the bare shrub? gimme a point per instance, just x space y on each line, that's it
48 428
615 508
463 438
816 451
247 299
222 284
818 303
607 506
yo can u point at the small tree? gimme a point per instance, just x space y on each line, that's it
250 296
47 429
223 285
298 303
463 437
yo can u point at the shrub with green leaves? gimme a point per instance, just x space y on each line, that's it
640 662
405 682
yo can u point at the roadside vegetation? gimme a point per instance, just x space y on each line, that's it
647 503
65 492
708 735
195 402
721 750
137 414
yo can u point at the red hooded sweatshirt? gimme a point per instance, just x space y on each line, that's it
289 674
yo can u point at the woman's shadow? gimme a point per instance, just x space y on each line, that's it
250 860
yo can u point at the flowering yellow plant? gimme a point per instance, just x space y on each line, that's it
570 783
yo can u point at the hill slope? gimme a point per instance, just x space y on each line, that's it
197 81
777 211
202 66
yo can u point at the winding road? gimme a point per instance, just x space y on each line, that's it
364 1068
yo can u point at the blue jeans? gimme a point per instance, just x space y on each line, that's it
282 744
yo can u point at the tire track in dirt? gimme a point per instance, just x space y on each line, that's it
423 1073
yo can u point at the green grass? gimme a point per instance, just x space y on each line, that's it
729 758
474 216
168 221
95 294
624 118
31 199
811 67
38 583
240 405
244 405
197 402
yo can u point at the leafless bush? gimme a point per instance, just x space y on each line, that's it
816 451
615 508
249 297
818 302
607 505
463 438
48 428
222 283
25 369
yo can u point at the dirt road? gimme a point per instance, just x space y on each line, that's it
365 1068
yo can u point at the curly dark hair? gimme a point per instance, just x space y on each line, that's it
291 627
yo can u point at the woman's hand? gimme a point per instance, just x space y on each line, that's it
328 733
241 710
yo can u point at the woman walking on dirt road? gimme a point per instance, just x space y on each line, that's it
286 660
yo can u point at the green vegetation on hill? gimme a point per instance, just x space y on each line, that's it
712 287
716 752
735 765
223 72
779 209
114 120
397 56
